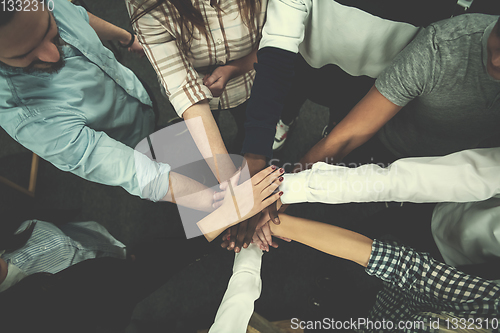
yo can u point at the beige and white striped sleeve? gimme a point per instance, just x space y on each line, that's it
183 84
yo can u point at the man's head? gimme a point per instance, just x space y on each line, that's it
493 64
29 39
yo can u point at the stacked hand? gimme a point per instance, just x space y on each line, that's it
241 234
263 234
238 203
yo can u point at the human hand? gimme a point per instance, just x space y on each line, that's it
137 48
218 197
241 234
263 235
243 201
263 238
255 194
217 81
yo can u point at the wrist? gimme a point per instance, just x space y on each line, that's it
127 39
280 229
255 162
218 221
233 70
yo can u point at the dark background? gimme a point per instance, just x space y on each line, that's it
298 282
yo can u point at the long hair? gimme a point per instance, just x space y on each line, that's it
187 16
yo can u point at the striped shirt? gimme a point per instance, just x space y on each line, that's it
51 249
416 284
181 75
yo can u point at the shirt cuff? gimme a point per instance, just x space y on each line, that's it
384 260
181 101
295 187
249 259
374 257
152 177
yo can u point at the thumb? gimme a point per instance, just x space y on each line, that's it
273 213
211 80
236 178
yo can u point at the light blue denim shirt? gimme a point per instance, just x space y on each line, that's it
85 118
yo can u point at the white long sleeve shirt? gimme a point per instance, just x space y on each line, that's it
243 289
465 224
329 30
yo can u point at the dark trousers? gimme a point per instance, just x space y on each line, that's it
329 86
100 292
162 257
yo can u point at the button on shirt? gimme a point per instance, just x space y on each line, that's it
181 75
85 118
51 249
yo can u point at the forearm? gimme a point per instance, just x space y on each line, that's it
362 122
331 149
219 220
320 152
470 175
206 135
327 238
243 65
189 193
108 31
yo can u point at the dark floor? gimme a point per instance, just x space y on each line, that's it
290 274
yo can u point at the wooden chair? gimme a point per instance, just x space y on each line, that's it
32 182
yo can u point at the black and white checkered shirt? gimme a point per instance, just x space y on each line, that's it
415 283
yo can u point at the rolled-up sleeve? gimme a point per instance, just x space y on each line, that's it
285 25
469 175
65 141
182 83
411 270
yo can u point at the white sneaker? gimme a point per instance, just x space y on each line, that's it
280 136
